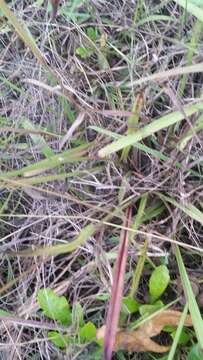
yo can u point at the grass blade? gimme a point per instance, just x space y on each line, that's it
23 32
191 8
138 270
69 156
190 133
60 249
150 129
178 333
188 209
193 307
133 122
196 34
139 146
38 139
164 75
35 180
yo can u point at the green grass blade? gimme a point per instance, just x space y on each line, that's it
23 32
61 249
164 75
138 271
11 86
133 122
190 133
69 156
38 139
188 209
85 233
36 180
153 211
139 146
153 18
150 129
193 307
142 147
140 212
178 333
190 7
196 33
140 264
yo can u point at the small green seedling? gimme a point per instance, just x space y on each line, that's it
58 339
87 332
70 10
54 307
158 282
57 308
130 306
148 309
86 51
77 315
92 33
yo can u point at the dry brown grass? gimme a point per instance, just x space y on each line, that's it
54 212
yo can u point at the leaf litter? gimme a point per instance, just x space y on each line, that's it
140 340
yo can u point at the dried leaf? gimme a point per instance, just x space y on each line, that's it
169 317
140 340
135 341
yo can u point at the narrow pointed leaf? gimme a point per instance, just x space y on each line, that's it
156 125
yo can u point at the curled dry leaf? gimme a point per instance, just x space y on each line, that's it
140 340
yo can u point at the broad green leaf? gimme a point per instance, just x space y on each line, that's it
156 125
88 332
158 281
77 315
131 305
146 310
195 353
54 307
141 147
58 339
